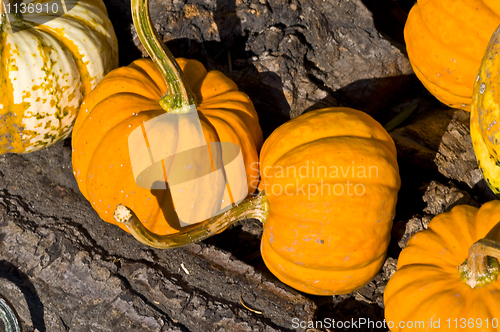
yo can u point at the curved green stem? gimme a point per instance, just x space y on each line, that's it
481 266
255 207
8 317
179 97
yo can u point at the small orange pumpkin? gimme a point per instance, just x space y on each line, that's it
331 178
130 96
445 40
446 278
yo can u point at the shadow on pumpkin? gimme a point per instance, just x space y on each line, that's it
165 201
22 281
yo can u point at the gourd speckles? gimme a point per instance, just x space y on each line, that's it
46 71
485 115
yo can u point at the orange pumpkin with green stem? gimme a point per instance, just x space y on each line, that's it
130 96
448 273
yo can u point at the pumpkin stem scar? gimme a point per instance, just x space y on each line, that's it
481 266
179 95
256 207
8 317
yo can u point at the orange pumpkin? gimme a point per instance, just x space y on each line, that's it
446 278
331 179
129 96
446 40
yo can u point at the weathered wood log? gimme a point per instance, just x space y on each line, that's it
440 140
290 56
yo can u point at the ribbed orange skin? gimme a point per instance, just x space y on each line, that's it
426 284
123 100
446 40
329 243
